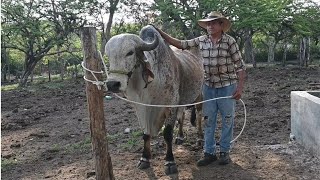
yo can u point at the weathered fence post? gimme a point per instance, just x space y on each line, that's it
92 61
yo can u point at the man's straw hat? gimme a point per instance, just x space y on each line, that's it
214 16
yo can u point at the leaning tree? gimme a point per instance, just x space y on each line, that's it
35 27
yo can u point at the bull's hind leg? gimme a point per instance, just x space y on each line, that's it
144 161
200 140
180 117
196 120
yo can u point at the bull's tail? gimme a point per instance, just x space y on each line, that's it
193 116
198 107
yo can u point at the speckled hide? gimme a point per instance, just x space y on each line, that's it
177 76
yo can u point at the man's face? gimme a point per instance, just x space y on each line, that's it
214 27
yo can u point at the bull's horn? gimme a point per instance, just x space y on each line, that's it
149 46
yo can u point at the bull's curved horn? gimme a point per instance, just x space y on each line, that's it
144 46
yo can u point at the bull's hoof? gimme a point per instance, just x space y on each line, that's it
143 164
170 168
179 140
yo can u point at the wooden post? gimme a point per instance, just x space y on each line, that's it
92 61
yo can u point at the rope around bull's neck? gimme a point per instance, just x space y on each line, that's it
102 83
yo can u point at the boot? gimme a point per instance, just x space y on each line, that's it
207 159
224 158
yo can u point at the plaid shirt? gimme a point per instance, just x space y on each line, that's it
221 61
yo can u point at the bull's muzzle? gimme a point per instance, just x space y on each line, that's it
114 86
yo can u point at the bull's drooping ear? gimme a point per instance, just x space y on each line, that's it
147 74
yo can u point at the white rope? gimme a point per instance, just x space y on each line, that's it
184 105
84 67
171 106
244 123
96 82
104 64
102 83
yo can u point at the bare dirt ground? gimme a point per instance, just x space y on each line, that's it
46 135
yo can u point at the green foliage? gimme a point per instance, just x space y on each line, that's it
32 30
179 18
9 87
7 163
262 56
126 28
36 27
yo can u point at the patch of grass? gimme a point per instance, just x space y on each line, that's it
40 83
9 87
137 134
112 138
133 140
55 148
7 163
82 146
54 85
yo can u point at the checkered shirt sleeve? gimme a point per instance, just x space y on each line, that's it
236 55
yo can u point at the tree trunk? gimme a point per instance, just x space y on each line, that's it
49 71
5 65
31 76
8 72
30 64
285 50
249 54
302 52
41 69
92 59
103 40
75 72
62 63
304 44
106 35
307 51
271 47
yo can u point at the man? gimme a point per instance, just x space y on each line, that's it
224 76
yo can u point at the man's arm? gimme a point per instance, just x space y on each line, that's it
173 41
241 75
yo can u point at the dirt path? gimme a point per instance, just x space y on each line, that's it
45 134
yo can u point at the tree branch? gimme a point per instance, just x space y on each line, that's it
54 53
14 47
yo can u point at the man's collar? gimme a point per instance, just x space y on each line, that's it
222 35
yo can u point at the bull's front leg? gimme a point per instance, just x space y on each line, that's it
170 164
144 161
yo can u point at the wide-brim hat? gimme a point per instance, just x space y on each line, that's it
226 24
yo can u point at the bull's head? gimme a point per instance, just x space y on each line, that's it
125 53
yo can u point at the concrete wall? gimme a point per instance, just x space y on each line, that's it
305 120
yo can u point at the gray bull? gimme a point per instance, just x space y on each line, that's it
147 70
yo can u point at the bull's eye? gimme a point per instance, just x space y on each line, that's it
129 53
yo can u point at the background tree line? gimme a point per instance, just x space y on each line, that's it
41 37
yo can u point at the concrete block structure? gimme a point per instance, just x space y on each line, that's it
305 119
